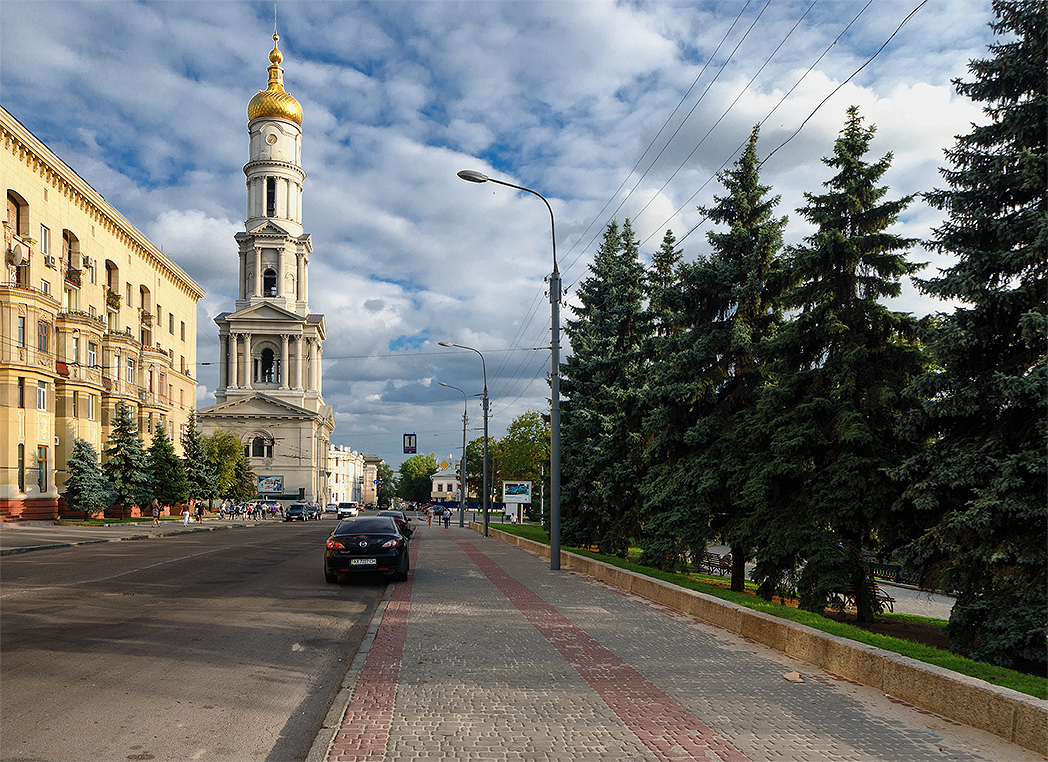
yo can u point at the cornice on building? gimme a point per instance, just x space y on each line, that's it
42 161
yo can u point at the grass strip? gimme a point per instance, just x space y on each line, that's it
1032 685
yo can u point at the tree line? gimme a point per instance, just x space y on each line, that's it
521 455
764 395
211 467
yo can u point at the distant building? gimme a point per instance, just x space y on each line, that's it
370 491
269 390
444 484
91 314
345 475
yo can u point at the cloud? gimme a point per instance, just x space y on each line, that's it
147 102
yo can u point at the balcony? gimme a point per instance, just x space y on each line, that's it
72 277
112 300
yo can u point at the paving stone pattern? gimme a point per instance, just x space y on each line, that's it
486 654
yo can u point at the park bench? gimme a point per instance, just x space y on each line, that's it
712 563
848 597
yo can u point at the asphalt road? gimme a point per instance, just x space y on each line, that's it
207 646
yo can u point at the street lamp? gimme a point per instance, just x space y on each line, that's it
484 367
554 418
462 463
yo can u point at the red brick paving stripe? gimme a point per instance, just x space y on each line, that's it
364 733
670 731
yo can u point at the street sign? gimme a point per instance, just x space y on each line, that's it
410 442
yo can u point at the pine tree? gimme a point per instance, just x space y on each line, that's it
200 471
600 423
979 489
710 375
86 488
825 430
127 464
170 486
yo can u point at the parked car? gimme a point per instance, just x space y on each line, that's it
403 522
366 544
313 511
347 510
331 508
296 512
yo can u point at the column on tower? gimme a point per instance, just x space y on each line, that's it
280 271
258 271
300 357
248 369
223 360
285 362
299 280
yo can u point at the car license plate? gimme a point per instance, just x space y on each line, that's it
363 561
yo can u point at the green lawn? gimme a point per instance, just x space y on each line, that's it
1032 685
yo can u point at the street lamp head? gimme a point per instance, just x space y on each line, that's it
445 344
441 383
473 176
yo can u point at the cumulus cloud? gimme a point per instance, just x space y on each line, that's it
148 103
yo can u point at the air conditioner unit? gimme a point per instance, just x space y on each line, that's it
49 260
88 262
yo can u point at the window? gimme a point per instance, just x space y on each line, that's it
129 301
74 350
21 392
45 240
182 398
440 486
130 370
183 330
76 404
149 382
261 448
182 363
45 287
92 407
92 274
171 323
43 335
163 378
41 395
269 283
116 366
21 330
21 468
271 197
92 354
41 468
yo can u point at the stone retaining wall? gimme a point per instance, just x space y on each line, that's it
1008 714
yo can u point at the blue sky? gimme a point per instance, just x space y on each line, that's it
624 109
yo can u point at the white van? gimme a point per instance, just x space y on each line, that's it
347 510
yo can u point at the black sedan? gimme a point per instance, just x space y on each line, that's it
366 544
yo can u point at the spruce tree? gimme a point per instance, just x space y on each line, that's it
199 469
978 491
126 462
600 425
86 488
170 486
711 375
825 432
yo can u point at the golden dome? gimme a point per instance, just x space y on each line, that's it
273 101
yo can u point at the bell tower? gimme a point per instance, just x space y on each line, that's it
270 346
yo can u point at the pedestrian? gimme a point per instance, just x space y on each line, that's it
156 512
187 511
200 512
429 515
447 518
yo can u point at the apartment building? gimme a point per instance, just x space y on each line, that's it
91 314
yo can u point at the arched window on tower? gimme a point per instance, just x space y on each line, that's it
269 368
269 283
271 197
261 447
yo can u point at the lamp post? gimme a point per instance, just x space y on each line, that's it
554 418
484 368
462 463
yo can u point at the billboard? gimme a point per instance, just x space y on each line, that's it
270 485
516 492
410 441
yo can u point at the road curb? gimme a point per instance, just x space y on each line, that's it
318 752
158 535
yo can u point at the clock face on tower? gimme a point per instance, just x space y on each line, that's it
271 139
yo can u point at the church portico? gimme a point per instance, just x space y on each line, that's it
270 346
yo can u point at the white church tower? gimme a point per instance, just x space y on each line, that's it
270 347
